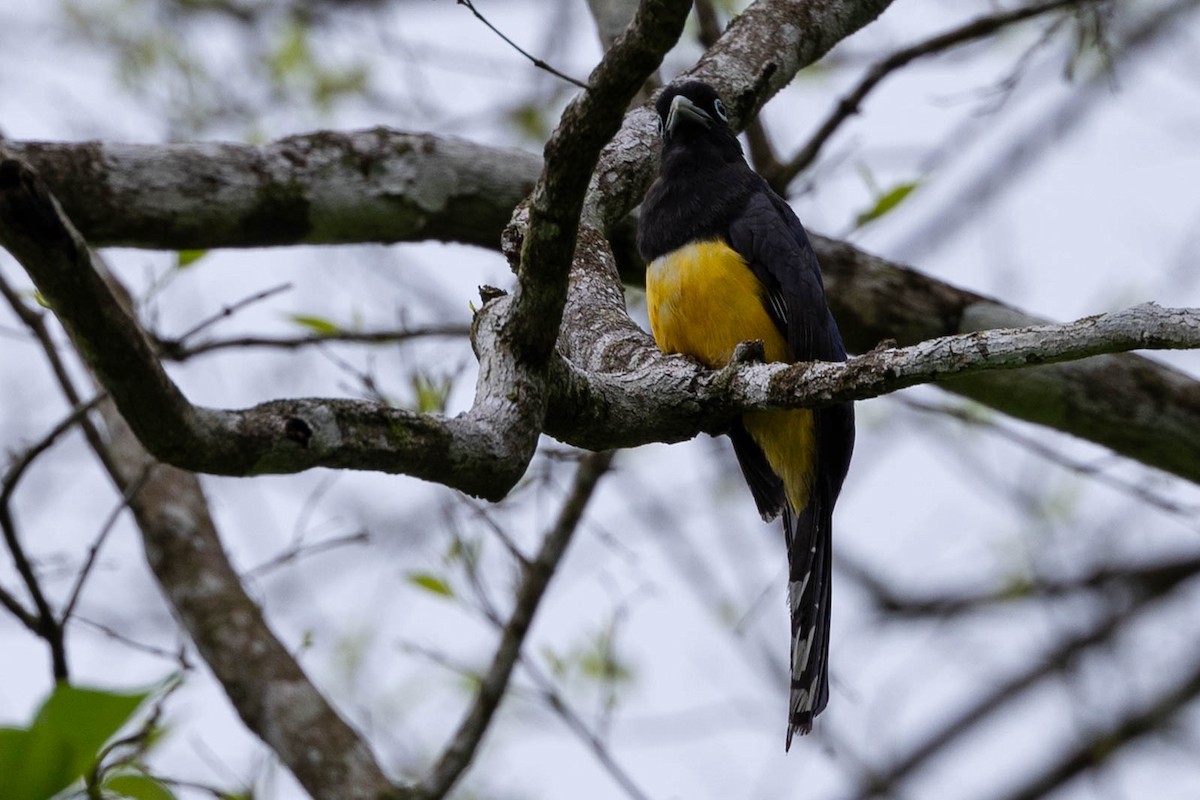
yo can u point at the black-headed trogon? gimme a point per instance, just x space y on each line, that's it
728 262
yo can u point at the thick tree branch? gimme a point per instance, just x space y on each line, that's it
588 123
872 299
375 185
264 683
290 435
615 388
1137 407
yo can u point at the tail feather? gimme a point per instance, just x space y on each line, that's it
809 584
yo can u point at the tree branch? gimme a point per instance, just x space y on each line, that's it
1130 404
264 683
850 103
176 350
536 577
653 400
376 185
44 622
1150 584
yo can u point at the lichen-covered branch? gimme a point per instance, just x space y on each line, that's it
376 185
473 452
587 124
615 389
264 683
873 300
1137 407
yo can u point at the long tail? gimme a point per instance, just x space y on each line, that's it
809 582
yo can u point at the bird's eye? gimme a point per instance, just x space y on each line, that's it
719 107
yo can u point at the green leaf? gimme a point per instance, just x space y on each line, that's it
316 324
185 258
530 120
292 55
63 742
886 202
138 786
430 583
431 393
13 744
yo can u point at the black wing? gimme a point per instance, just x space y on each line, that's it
770 237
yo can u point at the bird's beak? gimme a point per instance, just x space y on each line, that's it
684 109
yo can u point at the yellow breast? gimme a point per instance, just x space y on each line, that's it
703 300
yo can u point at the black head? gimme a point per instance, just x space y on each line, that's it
692 114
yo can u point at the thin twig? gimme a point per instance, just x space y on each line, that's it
482 512
850 103
965 415
537 62
36 322
299 551
1103 744
109 524
461 750
1141 576
14 607
47 627
575 722
229 311
883 784
178 656
174 349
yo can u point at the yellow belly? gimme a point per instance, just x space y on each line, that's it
703 300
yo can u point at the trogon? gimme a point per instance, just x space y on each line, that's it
727 262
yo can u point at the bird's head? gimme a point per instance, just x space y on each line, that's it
691 114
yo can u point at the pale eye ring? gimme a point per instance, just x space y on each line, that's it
661 127
719 107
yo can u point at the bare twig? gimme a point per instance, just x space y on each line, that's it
462 747
126 495
14 607
1102 744
537 62
1023 151
1037 446
228 311
178 656
1142 577
576 724
1157 583
174 350
46 624
299 551
850 103
35 321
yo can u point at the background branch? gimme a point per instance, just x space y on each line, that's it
779 176
536 577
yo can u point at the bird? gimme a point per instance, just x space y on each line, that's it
727 261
